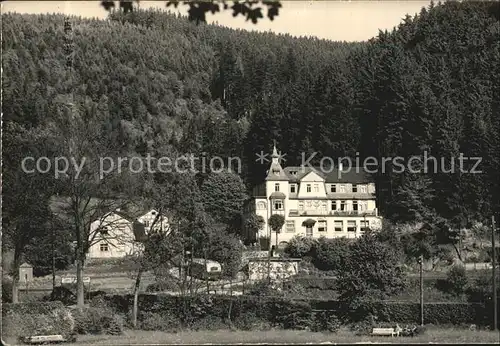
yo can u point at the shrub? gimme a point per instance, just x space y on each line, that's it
315 282
226 249
481 290
97 294
456 280
325 321
363 327
98 318
163 285
329 254
293 315
25 319
299 247
208 323
66 294
62 294
251 321
158 322
261 288
420 330
293 290
372 271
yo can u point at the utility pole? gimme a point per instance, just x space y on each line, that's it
183 250
277 232
421 263
53 260
493 264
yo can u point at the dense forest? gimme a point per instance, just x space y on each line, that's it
169 86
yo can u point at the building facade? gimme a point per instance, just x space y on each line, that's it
315 203
116 233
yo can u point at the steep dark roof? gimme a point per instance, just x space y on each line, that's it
277 194
100 207
354 175
260 191
276 173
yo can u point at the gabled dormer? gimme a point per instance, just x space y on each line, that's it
312 185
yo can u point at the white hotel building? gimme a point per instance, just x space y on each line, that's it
315 203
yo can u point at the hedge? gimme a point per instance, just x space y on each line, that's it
316 282
299 314
434 313
26 319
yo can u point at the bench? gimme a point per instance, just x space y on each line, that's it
384 332
42 339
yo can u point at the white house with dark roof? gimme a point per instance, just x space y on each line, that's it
117 234
315 203
116 226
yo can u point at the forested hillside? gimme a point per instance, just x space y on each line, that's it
170 86
433 86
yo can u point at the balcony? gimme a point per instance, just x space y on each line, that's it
353 213
278 211
351 195
295 212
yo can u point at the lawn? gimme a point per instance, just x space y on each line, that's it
432 335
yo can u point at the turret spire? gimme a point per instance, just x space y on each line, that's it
275 151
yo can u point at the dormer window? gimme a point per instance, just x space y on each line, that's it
293 172
153 213
276 171
103 231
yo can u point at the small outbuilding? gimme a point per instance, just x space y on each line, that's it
25 273
278 268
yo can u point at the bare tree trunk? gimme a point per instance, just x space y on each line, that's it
53 260
80 262
458 249
190 266
80 292
135 310
15 289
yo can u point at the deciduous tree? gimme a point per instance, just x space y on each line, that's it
276 222
223 195
25 207
371 271
199 9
